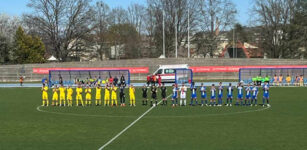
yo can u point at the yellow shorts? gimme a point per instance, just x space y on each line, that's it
69 97
132 98
79 97
55 97
45 96
106 97
114 96
98 97
88 97
62 97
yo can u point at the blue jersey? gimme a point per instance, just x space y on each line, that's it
175 92
266 91
229 91
240 92
255 92
213 93
220 90
203 92
248 92
193 91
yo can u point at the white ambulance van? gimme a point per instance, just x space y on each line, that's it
167 72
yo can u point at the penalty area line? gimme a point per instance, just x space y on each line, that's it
130 125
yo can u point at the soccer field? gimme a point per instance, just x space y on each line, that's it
24 125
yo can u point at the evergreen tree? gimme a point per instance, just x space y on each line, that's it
5 47
28 49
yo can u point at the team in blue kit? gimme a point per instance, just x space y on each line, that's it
175 95
255 95
193 94
213 97
229 95
203 94
246 95
266 88
220 94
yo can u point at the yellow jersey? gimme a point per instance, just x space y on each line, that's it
88 91
114 90
45 89
62 90
79 91
69 91
98 91
288 79
131 91
55 91
107 91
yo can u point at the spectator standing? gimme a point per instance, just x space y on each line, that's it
154 79
111 80
148 80
21 80
159 80
115 80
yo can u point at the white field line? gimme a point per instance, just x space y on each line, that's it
130 125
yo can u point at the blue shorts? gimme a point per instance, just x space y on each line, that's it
174 97
229 96
193 96
254 97
220 96
212 97
266 95
203 96
247 96
240 96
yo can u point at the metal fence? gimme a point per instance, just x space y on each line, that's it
246 74
70 77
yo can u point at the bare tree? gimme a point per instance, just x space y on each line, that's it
61 22
176 16
119 15
102 21
8 26
274 16
216 16
136 16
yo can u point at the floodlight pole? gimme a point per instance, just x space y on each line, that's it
163 34
176 38
188 31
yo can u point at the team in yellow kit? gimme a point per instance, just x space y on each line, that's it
88 96
45 95
98 95
61 94
114 95
132 95
79 91
55 96
70 91
107 95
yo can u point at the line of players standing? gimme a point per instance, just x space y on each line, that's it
110 95
251 94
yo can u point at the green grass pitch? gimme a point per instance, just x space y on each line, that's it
283 126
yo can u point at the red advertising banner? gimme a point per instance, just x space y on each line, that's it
133 70
200 69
